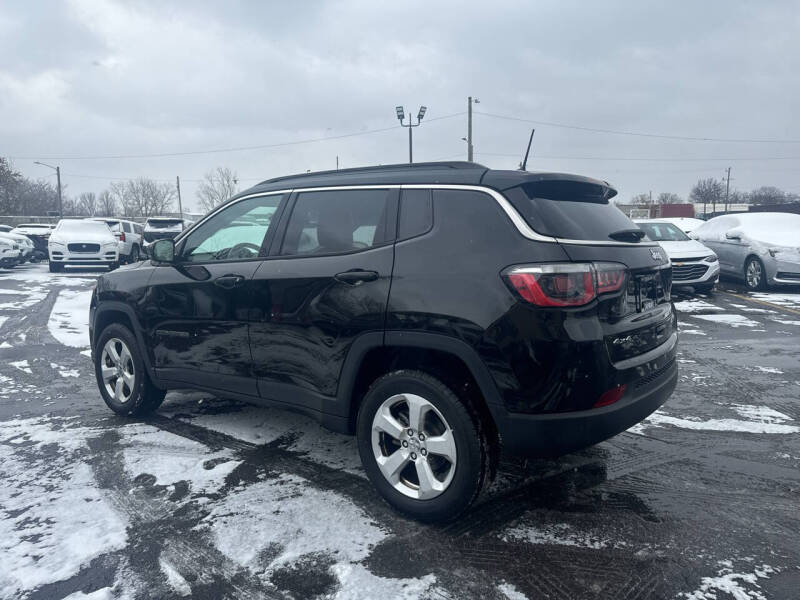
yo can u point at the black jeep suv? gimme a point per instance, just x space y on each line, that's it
439 311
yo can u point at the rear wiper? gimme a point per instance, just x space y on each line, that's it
627 235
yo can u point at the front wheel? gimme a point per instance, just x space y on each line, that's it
755 277
424 449
121 375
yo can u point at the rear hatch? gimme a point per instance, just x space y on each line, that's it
579 214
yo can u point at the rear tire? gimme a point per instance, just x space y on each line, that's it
134 257
755 277
431 471
118 358
56 267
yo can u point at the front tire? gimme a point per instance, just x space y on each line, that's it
755 277
121 374
422 447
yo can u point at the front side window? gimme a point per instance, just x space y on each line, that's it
338 221
235 233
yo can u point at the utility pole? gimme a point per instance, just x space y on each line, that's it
337 162
727 188
180 205
411 125
60 203
58 179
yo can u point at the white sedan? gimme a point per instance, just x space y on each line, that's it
75 242
693 264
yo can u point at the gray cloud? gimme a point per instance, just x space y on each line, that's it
95 78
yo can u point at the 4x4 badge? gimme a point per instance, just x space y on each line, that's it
655 254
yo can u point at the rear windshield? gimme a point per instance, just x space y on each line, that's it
164 224
569 209
663 232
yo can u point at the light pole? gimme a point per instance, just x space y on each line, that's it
470 102
400 117
58 179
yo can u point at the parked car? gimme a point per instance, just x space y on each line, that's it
439 311
685 224
82 242
693 265
763 249
38 233
5 228
129 238
24 243
10 252
160 228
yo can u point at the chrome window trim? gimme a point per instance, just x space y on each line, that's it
521 225
221 207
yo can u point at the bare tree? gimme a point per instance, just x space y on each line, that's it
769 194
217 186
142 197
107 205
708 191
641 199
87 204
669 198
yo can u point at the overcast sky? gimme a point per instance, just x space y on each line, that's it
92 78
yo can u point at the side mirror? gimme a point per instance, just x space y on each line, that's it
163 251
732 235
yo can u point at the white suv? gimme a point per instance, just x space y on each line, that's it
129 236
82 242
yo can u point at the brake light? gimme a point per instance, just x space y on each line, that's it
610 396
121 236
565 284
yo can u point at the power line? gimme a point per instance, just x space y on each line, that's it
223 150
636 133
656 158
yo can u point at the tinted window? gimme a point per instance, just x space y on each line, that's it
337 221
416 213
126 227
235 233
567 209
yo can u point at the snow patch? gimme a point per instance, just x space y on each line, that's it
22 365
734 321
69 319
658 419
356 583
175 579
769 370
171 458
558 534
727 584
693 332
289 514
55 520
787 322
695 306
511 592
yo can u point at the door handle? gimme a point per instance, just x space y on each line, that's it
356 276
228 282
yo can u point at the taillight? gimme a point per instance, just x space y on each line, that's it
121 235
565 284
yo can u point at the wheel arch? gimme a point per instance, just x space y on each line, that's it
111 312
447 358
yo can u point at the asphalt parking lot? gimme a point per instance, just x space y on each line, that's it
216 499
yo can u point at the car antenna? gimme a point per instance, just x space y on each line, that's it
524 162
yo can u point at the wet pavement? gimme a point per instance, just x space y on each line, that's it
217 499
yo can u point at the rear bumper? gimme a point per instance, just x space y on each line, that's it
555 434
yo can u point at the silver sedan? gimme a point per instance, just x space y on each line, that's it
763 249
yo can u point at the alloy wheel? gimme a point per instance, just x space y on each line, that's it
116 364
414 446
753 274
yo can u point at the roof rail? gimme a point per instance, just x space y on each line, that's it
460 164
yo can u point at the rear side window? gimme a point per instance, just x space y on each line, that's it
126 227
416 213
569 209
337 221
